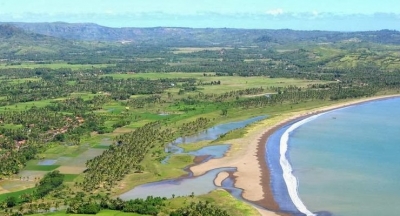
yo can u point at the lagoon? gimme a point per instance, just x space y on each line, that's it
212 133
199 184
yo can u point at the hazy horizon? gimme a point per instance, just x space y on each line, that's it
339 15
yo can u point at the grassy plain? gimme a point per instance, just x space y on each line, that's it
230 81
15 185
41 167
42 103
15 194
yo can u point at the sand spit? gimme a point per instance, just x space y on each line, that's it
220 177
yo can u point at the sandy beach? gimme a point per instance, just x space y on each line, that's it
247 155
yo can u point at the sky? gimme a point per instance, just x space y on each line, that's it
340 15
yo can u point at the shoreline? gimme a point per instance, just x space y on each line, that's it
248 155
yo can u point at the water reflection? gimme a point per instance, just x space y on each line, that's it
209 134
179 187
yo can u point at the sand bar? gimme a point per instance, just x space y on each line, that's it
220 177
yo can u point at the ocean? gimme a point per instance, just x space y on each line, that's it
343 162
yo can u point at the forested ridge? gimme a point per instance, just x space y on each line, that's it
195 36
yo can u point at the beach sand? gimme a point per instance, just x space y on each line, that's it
247 155
220 177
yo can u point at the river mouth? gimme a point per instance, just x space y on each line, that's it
189 184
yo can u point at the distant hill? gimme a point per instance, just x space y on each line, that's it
68 41
18 42
205 36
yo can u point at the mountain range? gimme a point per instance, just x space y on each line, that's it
204 36
18 39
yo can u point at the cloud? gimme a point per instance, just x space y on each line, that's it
275 12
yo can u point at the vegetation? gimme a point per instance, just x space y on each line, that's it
50 182
199 209
83 121
149 206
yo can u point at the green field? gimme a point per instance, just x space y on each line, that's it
228 83
15 194
69 177
41 167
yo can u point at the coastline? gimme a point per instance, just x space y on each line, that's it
248 154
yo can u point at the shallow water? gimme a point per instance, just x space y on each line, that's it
47 162
178 187
79 160
209 134
216 151
214 132
346 161
184 186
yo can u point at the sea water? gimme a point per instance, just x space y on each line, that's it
345 162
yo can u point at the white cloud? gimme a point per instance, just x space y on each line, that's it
275 12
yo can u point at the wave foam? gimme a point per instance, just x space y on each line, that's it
290 179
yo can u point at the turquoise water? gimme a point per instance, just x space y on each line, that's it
347 161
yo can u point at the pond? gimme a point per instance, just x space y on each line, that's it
47 162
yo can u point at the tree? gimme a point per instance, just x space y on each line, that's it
224 112
26 197
11 201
